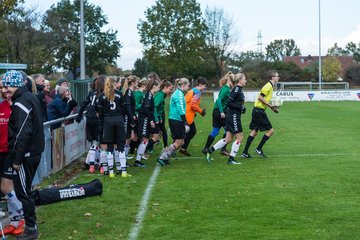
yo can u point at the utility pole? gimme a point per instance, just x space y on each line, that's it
319 48
82 42
259 43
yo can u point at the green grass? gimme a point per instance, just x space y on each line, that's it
306 189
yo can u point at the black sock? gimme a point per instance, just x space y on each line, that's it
133 145
209 141
211 150
263 141
248 143
150 145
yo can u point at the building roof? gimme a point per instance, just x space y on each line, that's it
306 61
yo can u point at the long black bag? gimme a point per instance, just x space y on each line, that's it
74 191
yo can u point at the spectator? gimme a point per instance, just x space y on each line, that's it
60 106
26 143
48 97
40 85
62 82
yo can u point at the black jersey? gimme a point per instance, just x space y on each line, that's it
110 108
236 100
147 107
129 100
88 105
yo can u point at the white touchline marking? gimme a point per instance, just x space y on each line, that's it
143 205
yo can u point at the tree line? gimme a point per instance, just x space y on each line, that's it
178 40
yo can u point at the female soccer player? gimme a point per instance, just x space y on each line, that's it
92 121
111 108
159 101
233 120
177 120
219 112
193 98
147 119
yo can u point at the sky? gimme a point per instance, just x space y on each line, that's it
275 19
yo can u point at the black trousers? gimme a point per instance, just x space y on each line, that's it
22 179
189 135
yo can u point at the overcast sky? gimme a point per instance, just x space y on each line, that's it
276 19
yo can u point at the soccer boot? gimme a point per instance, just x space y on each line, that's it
92 169
260 153
245 155
185 152
19 229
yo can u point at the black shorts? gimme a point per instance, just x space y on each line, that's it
6 170
177 129
156 129
128 127
101 132
233 122
114 129
92 129
259 120
217 121
143 127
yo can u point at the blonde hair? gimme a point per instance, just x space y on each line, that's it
181 81
33 84
237 77
225 78
109 89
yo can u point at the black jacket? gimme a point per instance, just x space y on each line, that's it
26 129
41 97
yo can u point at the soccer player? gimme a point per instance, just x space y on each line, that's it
192 99
92 121
147 119
110 108
233 120
259 119
130 105
139 97
159 101
219 112
177 120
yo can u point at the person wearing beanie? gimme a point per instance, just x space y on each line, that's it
26 143
60 106
62 82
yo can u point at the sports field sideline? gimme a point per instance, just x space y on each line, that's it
307 188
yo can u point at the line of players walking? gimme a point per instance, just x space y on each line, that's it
126 113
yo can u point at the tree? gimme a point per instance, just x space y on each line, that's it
142 67
352 74
277 50
331 69
336 51
7 6
243 58
218 37
173 36
354 50
62 23
22 41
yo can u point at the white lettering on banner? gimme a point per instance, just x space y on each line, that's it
298 96
74 141
72 192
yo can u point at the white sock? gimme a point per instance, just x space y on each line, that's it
219 144
122 158
117 160
167 152
110 162
92 155
127 147
141 150
103 160
15 208
234 148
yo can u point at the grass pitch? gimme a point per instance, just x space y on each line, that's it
307 188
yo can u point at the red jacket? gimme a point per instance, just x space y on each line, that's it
5 112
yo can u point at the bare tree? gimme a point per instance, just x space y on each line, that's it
219 37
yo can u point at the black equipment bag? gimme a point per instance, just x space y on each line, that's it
74 191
